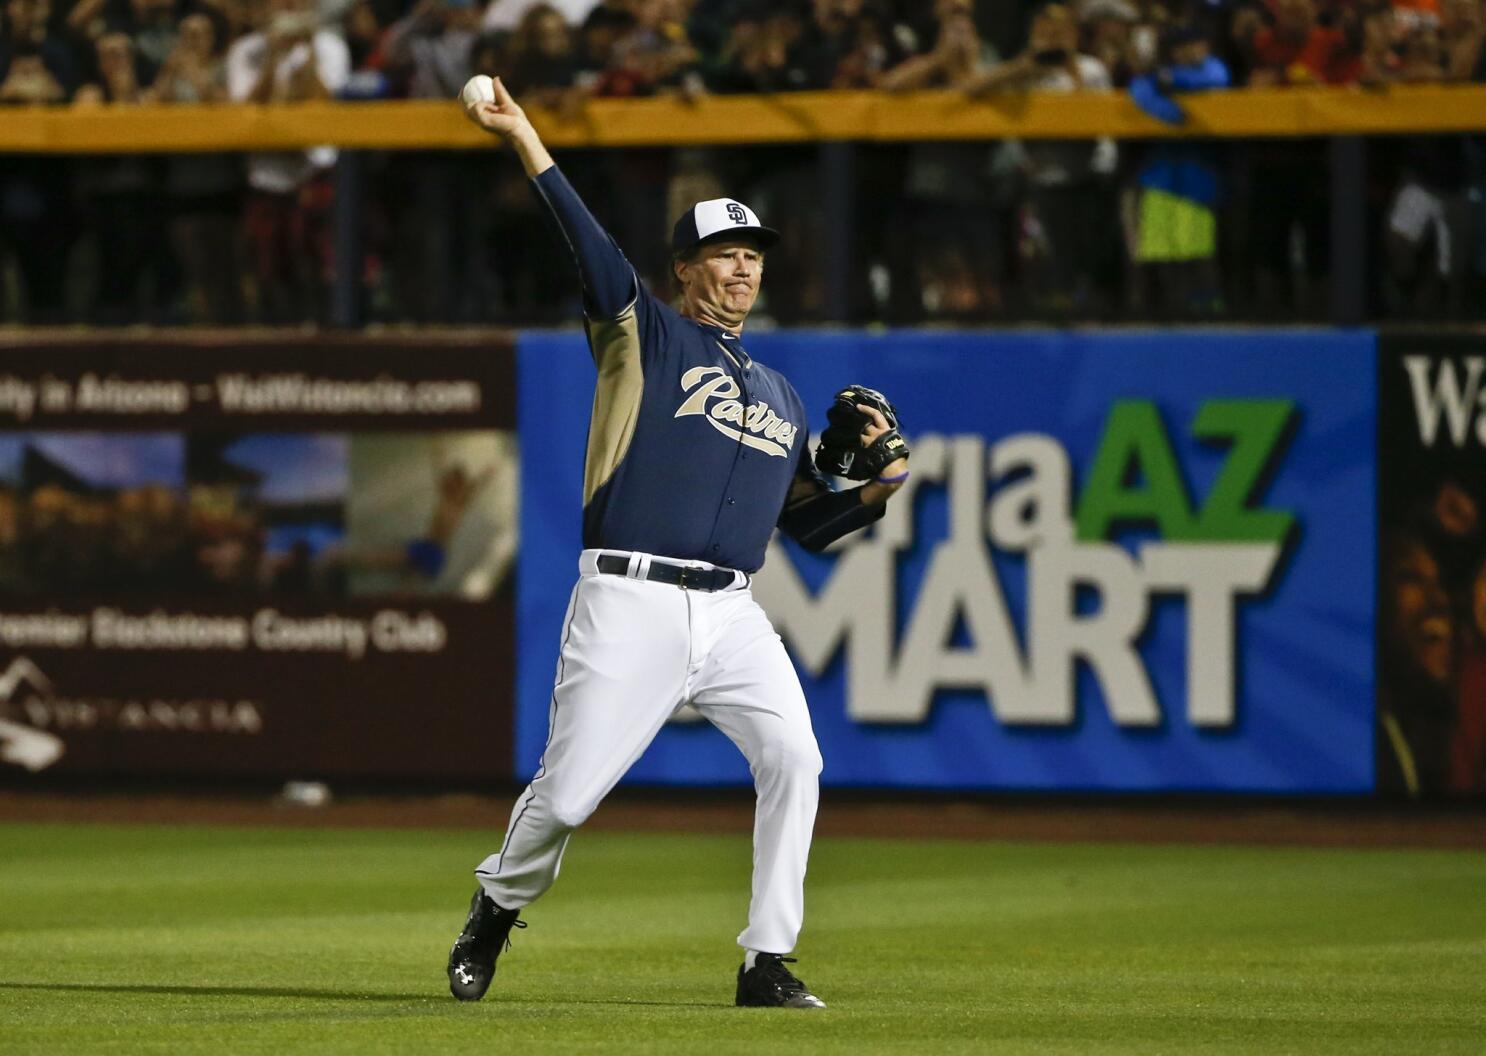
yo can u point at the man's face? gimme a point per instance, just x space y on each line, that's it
21 14
722 279
1054 30
115 53
198 35
550 35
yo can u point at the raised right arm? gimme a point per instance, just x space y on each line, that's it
609 281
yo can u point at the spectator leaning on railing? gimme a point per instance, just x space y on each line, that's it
366 40
1433 236
1070 233
36 224
523 272
193 72
118 72
124 209
36 65
1298 49
155 29
542 61
507 15
204 190
290 60
597 35
429 51
431 47
945 246
942 239
654 56
849 44
760 53
1115 35
956 60
1463 30
1286 214
1176 241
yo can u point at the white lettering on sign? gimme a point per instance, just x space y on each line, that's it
114 395
892 677
1452 398
266 630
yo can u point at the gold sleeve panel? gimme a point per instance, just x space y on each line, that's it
616 397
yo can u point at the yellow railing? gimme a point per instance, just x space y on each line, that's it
717 120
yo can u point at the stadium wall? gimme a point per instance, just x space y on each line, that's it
1126 562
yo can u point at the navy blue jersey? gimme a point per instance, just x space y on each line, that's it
693 447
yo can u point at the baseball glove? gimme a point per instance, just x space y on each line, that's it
841 453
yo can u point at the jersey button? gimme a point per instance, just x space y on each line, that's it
732 502
716 547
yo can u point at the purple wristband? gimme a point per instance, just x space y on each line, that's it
900 478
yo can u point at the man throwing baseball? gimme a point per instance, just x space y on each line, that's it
695 454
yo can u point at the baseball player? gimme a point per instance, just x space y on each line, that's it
695 453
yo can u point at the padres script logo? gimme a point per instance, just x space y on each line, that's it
774 436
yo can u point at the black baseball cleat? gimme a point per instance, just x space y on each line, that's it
486 933
769 984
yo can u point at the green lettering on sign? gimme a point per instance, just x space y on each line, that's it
1255 429
1135 478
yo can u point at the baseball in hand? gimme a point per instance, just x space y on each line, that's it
478 89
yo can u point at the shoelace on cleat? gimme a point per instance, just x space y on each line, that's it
515 924
776 973
477 941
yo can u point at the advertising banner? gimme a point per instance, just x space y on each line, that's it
272 559
1432 566
1124 561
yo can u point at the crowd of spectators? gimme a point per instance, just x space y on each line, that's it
958 231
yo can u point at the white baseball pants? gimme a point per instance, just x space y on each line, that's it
633 652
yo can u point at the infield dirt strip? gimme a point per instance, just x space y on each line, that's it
1322 825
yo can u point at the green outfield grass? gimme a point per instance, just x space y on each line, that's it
289 941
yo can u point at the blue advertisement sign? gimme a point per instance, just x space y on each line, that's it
1124 561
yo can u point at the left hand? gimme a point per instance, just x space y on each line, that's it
872 430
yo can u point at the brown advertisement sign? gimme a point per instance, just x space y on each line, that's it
258 559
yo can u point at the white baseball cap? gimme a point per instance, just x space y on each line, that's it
719 218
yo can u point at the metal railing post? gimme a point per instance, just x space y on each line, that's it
350 188
838 176
1349 248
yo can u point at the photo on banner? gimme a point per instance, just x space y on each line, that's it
99 513
266 510
432 514
1431 701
